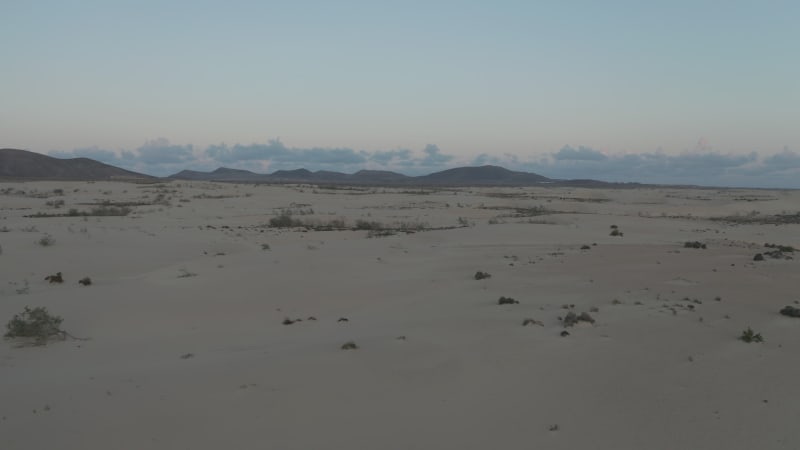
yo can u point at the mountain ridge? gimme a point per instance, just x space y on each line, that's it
23 164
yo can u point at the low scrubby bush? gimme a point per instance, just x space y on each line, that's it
506 301
749 336
35 323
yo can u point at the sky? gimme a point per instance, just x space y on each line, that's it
694 92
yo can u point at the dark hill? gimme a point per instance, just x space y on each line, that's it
462 176
483 175
29 165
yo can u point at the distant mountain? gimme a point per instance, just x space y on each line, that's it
292 175
29 165
23 164
474 176
380 176
462 176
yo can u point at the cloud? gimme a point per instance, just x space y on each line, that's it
434 157
702 167
155 157
277 153
580 154
159 151
389 156
160 157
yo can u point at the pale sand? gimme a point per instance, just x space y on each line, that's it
651 373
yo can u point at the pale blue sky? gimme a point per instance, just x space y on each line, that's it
513 81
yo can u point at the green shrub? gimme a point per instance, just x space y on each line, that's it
572 319
749 336
694 244
35 323
350 345
284 221
506 301
367 225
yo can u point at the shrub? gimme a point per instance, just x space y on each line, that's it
694 244
616 232
758 257
86 281
481 275
35 323
349 345
790 311
109 211
380 233
527 322
506 301
284 221
781 248
367 225
57 278
572 319
749 336
46 241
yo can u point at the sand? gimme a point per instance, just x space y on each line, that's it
186 347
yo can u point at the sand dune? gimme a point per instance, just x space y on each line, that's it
186 346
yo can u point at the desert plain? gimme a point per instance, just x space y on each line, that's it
217 315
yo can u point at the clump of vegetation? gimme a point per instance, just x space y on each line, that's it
284 221
85 281
585 247
616 232
368 225
790 311
57 278
749 336
506 301
186 274
349 345
694 244
758 257
35 323
109 211
265 247
102 210
781 248
46 241
572 319
529 321
482 275
380 233
779 251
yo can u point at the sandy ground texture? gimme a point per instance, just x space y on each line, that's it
205 327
